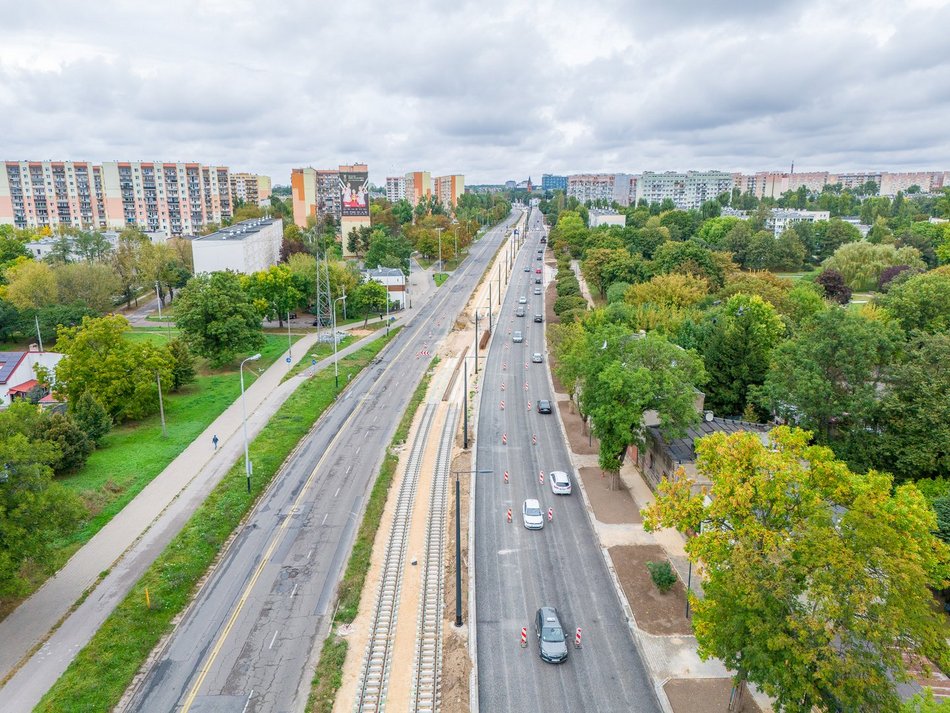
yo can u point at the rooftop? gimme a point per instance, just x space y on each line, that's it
238 231
8 362
683 450
384 272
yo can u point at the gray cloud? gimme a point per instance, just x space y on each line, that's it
487 89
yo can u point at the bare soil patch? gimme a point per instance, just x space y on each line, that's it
611 507
581 443
456 664
656 613
705 695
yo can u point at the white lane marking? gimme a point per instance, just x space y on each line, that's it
311 551
293 593
358 450
348 469
325 516
273 640
337 491
248 702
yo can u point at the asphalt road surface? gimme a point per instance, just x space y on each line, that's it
249 641
518 570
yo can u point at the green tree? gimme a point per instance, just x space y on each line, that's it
815 577
71 441
91 416
9 318
861 263
183 363
604 266
825 377
713 232
126 261
914 413
92 283
217 318
387 250
402 210
688 258
672 290
120 373
789 252
34 511
368 298
91 246
762 252
31 285
831 235
922 302
274 292
736 342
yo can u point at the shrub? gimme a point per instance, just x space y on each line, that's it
568 287
833 284
569 302
662 575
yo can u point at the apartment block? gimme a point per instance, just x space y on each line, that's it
245 247
591 186
448 189
780 219
688 190
553 183
928 181
418 186
174 198
250 188
395 188
315 193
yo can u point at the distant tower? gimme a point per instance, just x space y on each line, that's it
793 167
529 184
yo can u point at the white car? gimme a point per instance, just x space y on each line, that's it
522 300
531 514
560 482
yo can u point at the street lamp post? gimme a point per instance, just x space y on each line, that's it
161 403
439 231
476 341
458 541
336 368
247 457
456 246
289 343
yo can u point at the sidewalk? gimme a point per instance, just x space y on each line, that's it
128 544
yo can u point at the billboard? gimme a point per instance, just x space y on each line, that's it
354 190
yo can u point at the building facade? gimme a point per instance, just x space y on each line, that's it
688 190
781 219
251 189
550 182
395 188
245 247
448 189
392 279
175 198
607 217
418 186
591 187
18 372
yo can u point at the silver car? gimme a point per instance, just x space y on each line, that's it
517 337
552 642
522 300
537 290
536 358
531 515
560 482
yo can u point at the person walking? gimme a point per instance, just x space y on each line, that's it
214 440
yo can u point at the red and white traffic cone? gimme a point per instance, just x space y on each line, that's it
502 385
541 478
524 637
529 405
577 638
504 365
506 476
526 365
509 514
526 386
550 514
504 439
503 405
534 439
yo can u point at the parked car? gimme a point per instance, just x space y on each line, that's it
536 357
531 514
544 406
517 337
552 642
560 482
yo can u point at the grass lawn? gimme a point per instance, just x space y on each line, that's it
439 278
104 668
808 275
132 454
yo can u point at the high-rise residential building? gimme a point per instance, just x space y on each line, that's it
688 190
328 193
553 183
610 187
353 199
418 186
395 188
448 189
250 188
315 193
174 198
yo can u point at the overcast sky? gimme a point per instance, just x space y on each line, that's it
494 90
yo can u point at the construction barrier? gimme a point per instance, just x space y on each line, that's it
529 405
524 637
577 638
509 514
506 476
550 514
502 405
541 478
502 385
534 439
504 439
526 386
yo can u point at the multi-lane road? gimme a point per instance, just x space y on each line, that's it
248 642
516 570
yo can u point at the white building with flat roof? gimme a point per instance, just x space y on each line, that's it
781 219
245 247
394 281
688 190
607 217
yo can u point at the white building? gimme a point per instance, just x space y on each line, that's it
610 187
393 279
246 247
395 188
782 219
44 246
18 372
607 217
688 191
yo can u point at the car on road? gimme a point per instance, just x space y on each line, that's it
531 514
540 250
552 642
536 357
537 280
538 318
517 337
538 257
537 271
544 406
543 239
522 300
537 290
527 269
519 312
560 482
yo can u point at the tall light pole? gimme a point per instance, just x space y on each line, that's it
456 246
476 341
458 540
289 343
161 403
439 232
247 457
336 368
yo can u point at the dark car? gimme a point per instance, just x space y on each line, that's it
552 643
539 257
537 280
538 318
544 406
527 269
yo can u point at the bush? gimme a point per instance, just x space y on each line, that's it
662 575
890 274
565 304
833 284
568 287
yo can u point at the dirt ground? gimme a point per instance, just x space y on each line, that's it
611 507
705 695
581 443
456 664
656 613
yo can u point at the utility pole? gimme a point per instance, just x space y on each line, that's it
161 403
